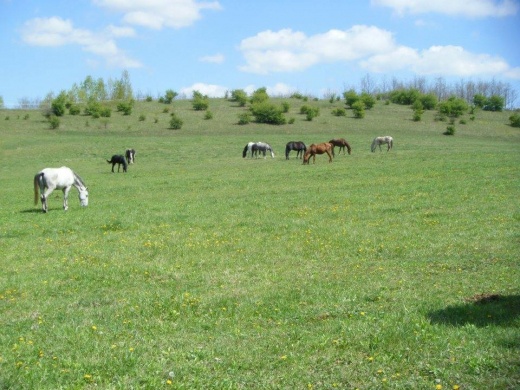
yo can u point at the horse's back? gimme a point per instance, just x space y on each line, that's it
58 177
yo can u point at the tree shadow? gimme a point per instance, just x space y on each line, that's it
481 310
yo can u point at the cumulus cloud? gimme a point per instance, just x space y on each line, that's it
466 8
214 59
55 32
211 90
439 60
369 47
287 50
157 14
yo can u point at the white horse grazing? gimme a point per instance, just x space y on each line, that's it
378 141
261 147
49 179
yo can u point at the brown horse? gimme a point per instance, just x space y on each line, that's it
315 149
341 142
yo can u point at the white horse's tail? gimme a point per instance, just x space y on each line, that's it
37 179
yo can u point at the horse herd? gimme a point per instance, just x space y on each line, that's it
302 151
49 179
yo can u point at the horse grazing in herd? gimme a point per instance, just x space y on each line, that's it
119 160
49 179
315 149
299 146
130 156
378 141
341 143
257 147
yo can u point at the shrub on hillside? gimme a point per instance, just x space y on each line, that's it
58 105
200 102
359 109
515 120
368 100
339 112
175 122
54 122
429 101
453 107
404 96
239 96
351 97
244 118
168 97
259 96
266 112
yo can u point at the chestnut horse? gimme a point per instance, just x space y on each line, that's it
341 142
315 149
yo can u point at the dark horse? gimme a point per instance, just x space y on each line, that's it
315 149
130 156
299 146
341 143
119 160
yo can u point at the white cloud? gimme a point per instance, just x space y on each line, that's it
55 32
214 59
280 89
467 8
211 90
157 14
440 60
285 50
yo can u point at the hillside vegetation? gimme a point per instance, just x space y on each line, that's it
201 269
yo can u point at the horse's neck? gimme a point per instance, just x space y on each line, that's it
78 183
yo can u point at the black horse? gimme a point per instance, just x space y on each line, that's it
299 146
119 160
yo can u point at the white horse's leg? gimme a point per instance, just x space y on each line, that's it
45 196
66 198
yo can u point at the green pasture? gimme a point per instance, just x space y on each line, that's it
199 269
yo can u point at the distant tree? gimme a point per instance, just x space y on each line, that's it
169 96
494 103
200 102
350 97
359 109
1 102
58 104
368 100
239 96
515 120
265 112
259 96
453 107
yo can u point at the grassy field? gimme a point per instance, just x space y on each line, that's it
199 269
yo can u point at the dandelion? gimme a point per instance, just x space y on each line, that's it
456 387
169 382
438 387
284 357
94 327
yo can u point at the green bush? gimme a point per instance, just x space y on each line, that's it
200 102
54 122
339 112
168 97
404 96
453 107
450 130
125 107
244 118
266 112
429 101
351 97
58 105
359 109
239 96
142 118
285 107
208 115
175 122
368 100
515 120
74 110
259 96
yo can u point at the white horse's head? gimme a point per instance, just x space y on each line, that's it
83 197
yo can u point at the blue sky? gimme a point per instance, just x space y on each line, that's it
310 46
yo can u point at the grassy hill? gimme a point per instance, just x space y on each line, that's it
201 269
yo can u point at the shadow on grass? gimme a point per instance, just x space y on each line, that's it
481 310
33 210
